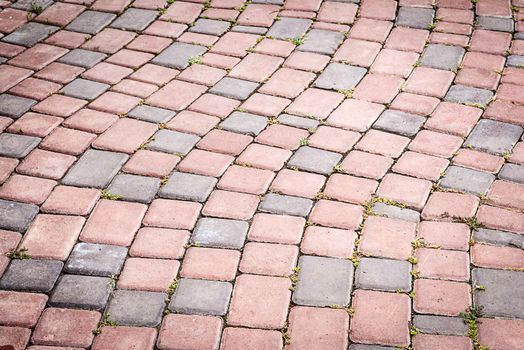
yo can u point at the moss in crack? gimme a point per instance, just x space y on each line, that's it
18 254
471 318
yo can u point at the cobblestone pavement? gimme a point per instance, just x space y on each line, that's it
298 174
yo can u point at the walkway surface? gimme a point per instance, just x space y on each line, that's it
298 174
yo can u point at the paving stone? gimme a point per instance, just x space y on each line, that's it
151 114
31 275
469 95
442 56
338 76
28 4
95 169
30 34
494 137
135 188
96 259
178 54
172 142
136 308
394 212
298 122
398 122
234 88
369 347
188 187
512 172
201 297
499 237
14 106
17 146
289 28
323 281
91 22
249 30
321 41
134 19
383 274
415 17
85 89
467 180
315 160
244 123
495 23
287 205
210 26
220 233
16 216
503 296
440 325
515 61
84 292
82 58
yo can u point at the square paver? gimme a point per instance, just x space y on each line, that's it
289 28
442 56
84 292
220 233
469 95
398 122
467 180
151 114
16 216
512 172
188 187
338 76
96 259
234 88
136 308
178 54
494 137
85 89
210 26
383 274
14 106
135 188
30 34
322 41
172 142
134 19
314 160
415 17
244 123
201 297
17 146
82 58
91 22
31 275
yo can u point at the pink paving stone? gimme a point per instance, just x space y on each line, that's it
111 5
124 338
407 39
269 259
306 14
214 105
21 309
357 52
511 92
436 144
307 61
59 105
388 238
335 214
205 163
380 318
224 142
189 332
350 189
4 122
17 337
483 61
445 298
483 255
159 243
383 143
45 347
417 104
298 183
148 43
10 19
453 28
107 73
247 180
10 76
513 75
149 163
182 12
26 189
276 228
7 166
429 82
479 78
210 264
490 41
135 88
71 200
318 328
66 327
507 194
366 164
129 58
219 61
446 206
505 111
69 40
315 103
153 74
235 44
368 89
421 166
518 154
109 40
166 29
259 302
446 235
176 95
35 88
258 15
90 120
34 124
287 83
449 39
341 13
219 13
478 160
8 240
274 47
499 334
154 275
517 47
456 15
333 139
325 241
126 135
282 136
303 5
235 338
198 39
45 164
57 72
113 222
383 9
454 118
172 214
443 264
441 342
193 122
60 14
256 67
355 114
38 56
10 50
394 62
370 29
264 157
201 74
231 205
116 103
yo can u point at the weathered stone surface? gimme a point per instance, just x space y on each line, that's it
494 137
298 122
91 22
82 58
399 122
440 325
288 205
14 106
136 308
289 28
315 160
512 172
178 54
469 95
17 146
30 34
210 26
84 292
442 56
84 89
234 88
189 187
16 216
220 233
134 19
244 123
321 41
495 23
201 297
31 275
338 76
383 274
151 114
395 212
172 142
96 259
467 180
499 237
415 17
135 188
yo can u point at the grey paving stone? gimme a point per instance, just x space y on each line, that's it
30 34
136 308
16 216
172 142
383 274
415 17
201 297
85 89
249 30
394 212
469 95
188 187
178 54
495 23
288 205
289 28
210 26
322 41
134 19
467 180
442 56
17 146
31 275
2 59
96 259
503 295
95 169
315 160
512 172
494 137
91 22
220 233
82 58
84 292
398 122
496 237
244 123
369 347
298 122
515 61
28 4
323 281
440 325
14 106
338 76
234 88
135 188
151 114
